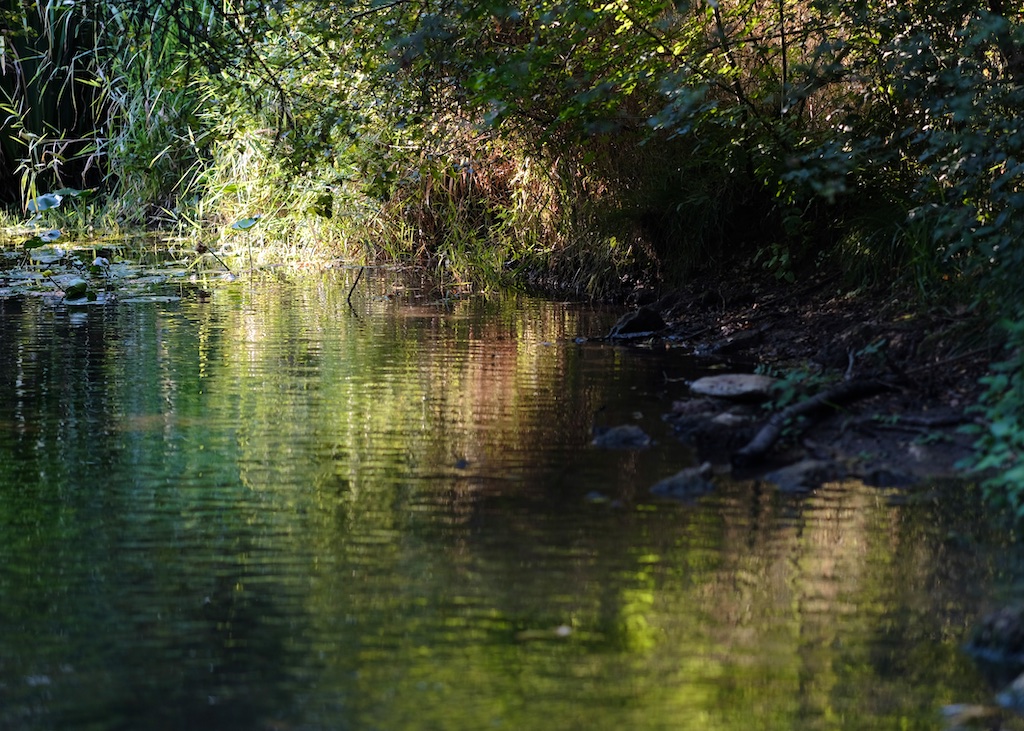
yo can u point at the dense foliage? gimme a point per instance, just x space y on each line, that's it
583 143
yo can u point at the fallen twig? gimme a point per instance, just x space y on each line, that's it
831 399
353 288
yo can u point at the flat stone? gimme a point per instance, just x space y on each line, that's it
735 386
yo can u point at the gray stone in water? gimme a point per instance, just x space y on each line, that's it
689 483
803 476
735 386
644 321
999 637
1012 696
627 436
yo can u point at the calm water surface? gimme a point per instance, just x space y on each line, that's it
266 510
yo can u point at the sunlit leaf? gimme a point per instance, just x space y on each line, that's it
72 192
50 236
245 224
44 202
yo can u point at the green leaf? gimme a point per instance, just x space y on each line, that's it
33 243
245 224
76 289
44 202
73 192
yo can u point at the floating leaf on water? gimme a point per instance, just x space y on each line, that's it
44 202
33 243
150 298
49 256
246 223
76 289
91 299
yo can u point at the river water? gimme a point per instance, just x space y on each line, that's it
263 508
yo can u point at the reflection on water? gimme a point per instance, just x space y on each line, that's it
267 510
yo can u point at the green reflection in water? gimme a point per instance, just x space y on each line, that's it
267 511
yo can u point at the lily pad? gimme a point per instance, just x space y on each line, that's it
735 386
47 256
44 202
76 289
91 299
73 193
151 298
41 239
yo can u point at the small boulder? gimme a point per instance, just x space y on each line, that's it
685 484
1012 696
999 637
997 647
750 387
627 436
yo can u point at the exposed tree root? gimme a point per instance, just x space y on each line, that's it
832 399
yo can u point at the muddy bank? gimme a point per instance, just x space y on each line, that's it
869 384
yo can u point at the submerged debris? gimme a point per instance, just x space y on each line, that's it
626 436
997 647
804 476
685 484
637 324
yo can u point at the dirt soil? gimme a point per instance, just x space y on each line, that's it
928 362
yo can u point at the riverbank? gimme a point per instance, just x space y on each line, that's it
920 368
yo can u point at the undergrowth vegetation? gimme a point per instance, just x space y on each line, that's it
563 144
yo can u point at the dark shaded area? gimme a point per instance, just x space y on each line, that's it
876 386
